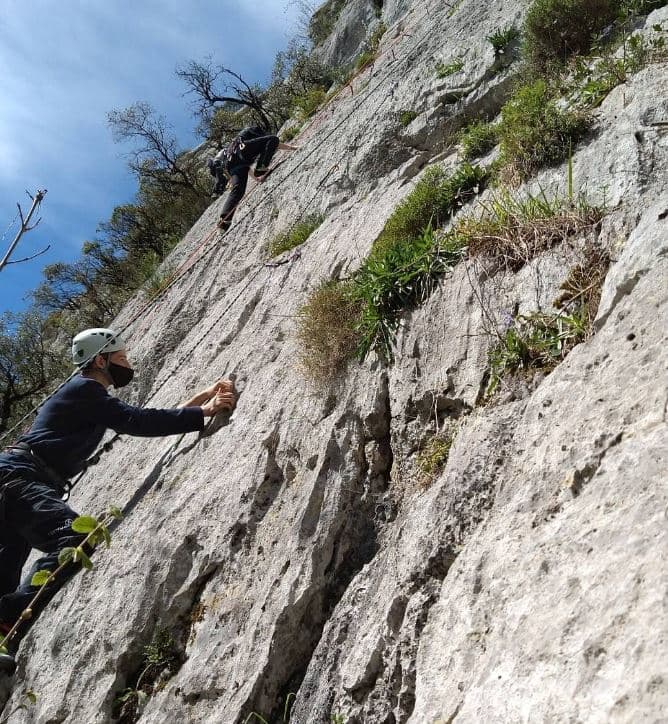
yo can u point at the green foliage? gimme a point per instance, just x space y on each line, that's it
512 230
534 132
161 658
306 104
445 70
407 117
534 342
30 357
290 133
478 139
501 39
368 55
434 199
327 330
554 30
295 235
433 456
395 277
323 20
593 78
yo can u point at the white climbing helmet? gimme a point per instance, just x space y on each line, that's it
95 341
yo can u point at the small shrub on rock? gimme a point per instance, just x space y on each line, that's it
534 132
327 330
407 117
306 104
434 199
477 139
554 30
511 231
396 277
501 39
433 456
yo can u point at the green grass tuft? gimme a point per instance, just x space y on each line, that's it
445 70
511 230
477 139
434 199
407 117
327 330
534 132
396 277
501 39
295 236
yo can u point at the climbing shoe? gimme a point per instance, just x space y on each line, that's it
224 225
7 664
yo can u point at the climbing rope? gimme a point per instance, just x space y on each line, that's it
202 256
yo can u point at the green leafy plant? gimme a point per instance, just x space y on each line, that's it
541 341
501 39
477 139
295 235
434 199
433 456
394 278
534 132
97 532
290 133
534 342
593 78
160 660
407 117
554 30
305 105
368 55
511 230
445 70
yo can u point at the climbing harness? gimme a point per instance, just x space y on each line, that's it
193 259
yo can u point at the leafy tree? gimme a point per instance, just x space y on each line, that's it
30 357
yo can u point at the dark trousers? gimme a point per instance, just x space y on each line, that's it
262 149
33 516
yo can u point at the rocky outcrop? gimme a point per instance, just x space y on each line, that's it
292 552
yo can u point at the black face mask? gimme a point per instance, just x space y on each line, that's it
120 376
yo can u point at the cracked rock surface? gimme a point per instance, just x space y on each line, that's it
293 551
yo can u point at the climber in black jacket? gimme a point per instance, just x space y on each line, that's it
252 145
67 430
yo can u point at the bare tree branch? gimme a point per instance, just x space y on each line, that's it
25 227
34 256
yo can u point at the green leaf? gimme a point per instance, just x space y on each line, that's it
31 696
3 649
129 693
41 578
84 524
106 535
85 560
115 512
66 555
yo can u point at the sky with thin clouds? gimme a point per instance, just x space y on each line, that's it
64 64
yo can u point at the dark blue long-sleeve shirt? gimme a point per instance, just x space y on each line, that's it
71 424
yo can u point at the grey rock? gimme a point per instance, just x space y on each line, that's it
295 548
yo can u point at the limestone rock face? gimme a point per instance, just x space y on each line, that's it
295 553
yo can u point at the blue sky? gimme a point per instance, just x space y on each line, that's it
64 64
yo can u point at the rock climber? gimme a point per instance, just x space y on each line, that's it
232 164
35 471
